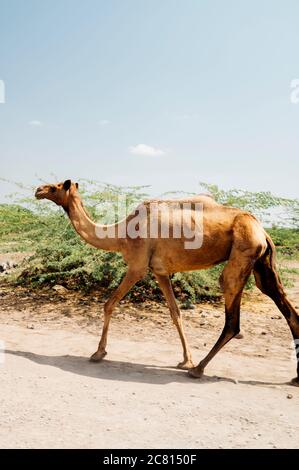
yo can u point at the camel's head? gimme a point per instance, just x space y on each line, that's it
58 193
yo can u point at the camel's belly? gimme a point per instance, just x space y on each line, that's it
178 259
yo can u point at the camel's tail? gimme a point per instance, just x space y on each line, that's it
265 271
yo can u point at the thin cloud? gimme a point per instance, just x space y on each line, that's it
146 151
35 123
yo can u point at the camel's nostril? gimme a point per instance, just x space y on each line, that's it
39 193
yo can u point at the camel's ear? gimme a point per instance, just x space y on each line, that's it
77 186
67 185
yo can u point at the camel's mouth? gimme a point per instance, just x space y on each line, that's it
40 193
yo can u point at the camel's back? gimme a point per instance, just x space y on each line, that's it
205 199
201 219
184 234
212 213
211 209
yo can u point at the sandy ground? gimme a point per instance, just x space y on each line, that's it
51 396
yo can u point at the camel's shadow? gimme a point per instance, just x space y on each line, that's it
126 371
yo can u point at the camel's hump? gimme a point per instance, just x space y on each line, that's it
205 199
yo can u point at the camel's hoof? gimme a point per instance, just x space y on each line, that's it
185 365
195 372
295 382
239 336
97 356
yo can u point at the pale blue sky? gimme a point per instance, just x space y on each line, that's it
205 83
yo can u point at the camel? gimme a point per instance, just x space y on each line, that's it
230 235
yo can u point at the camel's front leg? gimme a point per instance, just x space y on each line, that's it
166 288
131 277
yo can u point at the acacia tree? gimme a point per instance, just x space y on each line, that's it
272 210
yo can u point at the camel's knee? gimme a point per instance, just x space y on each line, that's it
232 323
108 308
175 321
235 330
176 317
231 330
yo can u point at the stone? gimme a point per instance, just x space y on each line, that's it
59 289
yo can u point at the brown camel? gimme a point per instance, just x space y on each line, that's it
229 234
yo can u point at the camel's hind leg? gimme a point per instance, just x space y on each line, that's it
166 288
268 281
233 280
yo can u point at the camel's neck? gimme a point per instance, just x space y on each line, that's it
100 236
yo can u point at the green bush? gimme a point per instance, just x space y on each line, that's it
286 240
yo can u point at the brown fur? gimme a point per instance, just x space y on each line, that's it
230 235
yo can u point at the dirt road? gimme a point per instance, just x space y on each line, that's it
51 396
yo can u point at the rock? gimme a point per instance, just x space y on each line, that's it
187 306
11 264
3 267
59 289
6 265
289 396
30 327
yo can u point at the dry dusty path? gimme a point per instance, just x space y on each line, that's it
51 396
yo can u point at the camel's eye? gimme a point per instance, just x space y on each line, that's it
53 189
